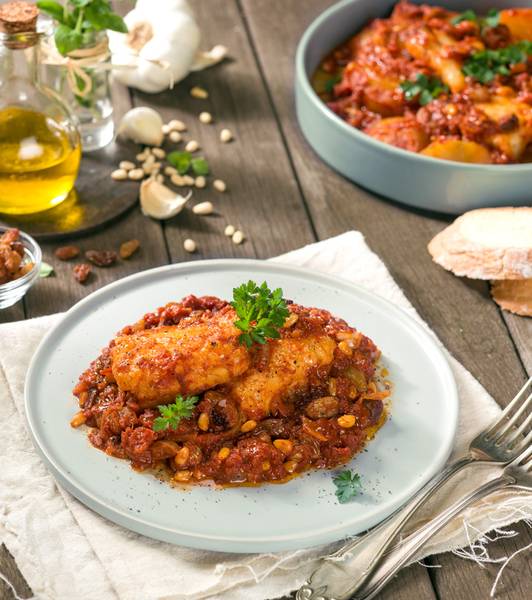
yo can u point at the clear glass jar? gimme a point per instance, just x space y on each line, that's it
39 142
92 105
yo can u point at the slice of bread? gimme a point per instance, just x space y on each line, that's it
514 295
488 243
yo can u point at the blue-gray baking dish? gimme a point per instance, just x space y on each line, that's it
421 181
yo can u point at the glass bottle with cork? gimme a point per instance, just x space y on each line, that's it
40 147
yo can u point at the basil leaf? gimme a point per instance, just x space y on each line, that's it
200 166
66 39
46 270
101 17
52 8
180 160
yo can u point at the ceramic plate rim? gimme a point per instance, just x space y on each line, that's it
234 543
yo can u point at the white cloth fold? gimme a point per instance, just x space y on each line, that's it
66 551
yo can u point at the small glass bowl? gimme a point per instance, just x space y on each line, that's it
13 291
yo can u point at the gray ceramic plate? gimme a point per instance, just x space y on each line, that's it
410 448
421 181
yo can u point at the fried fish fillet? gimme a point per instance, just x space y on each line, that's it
158 364
283 371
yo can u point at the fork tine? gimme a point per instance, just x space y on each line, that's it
515 402
521 460
510 422
521 444
519 431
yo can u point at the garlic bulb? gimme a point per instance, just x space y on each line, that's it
143 125
161 47
159 201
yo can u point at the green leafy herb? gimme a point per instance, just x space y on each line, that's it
199 166
348 485
261 312
424 88
468 15
484 66
180 160
171 414
490 20
330 83
79 19
46 270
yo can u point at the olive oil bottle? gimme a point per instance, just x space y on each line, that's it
39 144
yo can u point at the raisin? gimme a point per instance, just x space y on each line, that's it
101 258
129 248
67 252
82 272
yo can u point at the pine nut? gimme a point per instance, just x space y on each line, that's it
192 146
177 125
203 208
127 165
182 456
203 421
190 246
158 152
188 180
248 426
238 237
136 174
346 421
200 181
175 136
285 446
119 174
219 185
229 230
205 117
78 419
290 466
199 92
159 178
150 159
170 171
143 155
166 129
176 179
226 136
183 476
223 453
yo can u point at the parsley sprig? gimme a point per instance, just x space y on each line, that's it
261 312
425 88
485 65
348 485
491 19
183 162
171 414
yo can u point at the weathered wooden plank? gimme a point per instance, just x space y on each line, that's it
521 332
262 198
13 313
460 311
9 571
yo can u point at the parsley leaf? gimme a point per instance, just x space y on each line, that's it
484 66
490 20
199 166
424 88
348 485
261 312
171 414
330 83
180 160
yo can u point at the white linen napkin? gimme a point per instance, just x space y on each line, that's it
66 551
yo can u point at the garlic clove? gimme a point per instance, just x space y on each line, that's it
210 58
159 201
143 125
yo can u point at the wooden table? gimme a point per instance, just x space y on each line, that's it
283 197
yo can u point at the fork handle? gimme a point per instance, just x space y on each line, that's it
354 563
406 549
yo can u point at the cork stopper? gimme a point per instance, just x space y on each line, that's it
18 17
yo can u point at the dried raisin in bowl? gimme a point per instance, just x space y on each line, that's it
13 291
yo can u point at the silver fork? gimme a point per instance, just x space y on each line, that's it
516 475
345 571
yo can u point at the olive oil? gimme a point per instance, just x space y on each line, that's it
39 161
